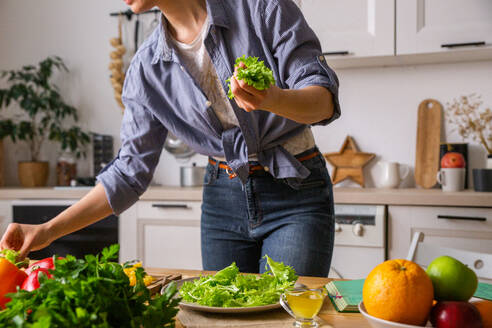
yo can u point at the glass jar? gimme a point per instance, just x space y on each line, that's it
66 169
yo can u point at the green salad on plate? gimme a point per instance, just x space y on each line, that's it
229 288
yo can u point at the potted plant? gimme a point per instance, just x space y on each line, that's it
43 116
475 123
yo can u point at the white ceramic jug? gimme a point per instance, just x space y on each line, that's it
390 174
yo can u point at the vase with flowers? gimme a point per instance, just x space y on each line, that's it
474 122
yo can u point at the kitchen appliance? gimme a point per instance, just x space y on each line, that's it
90 240
360 240
192 176
102 152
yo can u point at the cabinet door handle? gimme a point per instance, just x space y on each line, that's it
168 206
466 218
336 53
465 44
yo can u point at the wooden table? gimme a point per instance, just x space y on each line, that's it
328 314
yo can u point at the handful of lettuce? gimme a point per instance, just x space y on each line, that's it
228 288
255 74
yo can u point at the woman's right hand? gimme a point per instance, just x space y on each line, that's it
25 238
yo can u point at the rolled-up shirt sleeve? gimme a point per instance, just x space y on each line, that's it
127 177
298 51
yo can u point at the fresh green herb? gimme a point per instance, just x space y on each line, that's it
255 74
91 292
228 288
12 256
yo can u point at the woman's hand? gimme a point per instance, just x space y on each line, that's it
307 106
25 238
249 98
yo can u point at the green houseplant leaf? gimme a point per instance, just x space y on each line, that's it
43 114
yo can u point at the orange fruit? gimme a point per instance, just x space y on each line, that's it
485 309
399 291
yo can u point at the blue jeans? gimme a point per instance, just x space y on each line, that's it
292 221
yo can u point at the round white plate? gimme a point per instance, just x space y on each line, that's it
213 309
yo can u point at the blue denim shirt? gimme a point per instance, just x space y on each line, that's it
160 96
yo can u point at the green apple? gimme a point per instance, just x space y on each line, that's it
452 280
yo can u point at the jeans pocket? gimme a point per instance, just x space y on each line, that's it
210 175
308 183
312 184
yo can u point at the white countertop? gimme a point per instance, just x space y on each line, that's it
429 197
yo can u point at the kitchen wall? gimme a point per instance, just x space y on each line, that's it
379 105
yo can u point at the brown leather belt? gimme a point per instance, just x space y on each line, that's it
253 168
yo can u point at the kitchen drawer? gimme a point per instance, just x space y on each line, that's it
465 228
169 244
469 218
169 210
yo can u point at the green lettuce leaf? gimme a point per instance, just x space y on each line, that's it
255 74
229 288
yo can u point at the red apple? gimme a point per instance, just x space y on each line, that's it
452 160
455 315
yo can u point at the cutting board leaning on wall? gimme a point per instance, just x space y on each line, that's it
428 141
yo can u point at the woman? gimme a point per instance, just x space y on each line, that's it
267 190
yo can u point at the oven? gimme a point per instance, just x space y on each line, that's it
360 240
90 240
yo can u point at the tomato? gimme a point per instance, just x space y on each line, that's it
10 278
32 281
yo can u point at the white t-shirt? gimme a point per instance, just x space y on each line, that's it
200 66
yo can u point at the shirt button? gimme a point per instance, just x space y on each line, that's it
266 168
182 68
208 103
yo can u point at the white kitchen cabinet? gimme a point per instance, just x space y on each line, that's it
358 27
167 234
424 26
466 228
5 215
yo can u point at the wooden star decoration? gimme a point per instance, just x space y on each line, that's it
349 162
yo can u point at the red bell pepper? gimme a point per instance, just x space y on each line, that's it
33 271
10 275
32 281
46 263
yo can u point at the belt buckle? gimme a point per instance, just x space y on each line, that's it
232 175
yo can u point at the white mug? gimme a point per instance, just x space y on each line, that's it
451 179
390 175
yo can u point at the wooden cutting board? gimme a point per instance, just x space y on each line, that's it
428 140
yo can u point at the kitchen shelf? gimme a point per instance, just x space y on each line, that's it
451 56
411 196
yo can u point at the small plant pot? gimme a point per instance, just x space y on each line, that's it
33 174
482 179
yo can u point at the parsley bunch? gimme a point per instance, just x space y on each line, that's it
90 292
256 74
228 288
